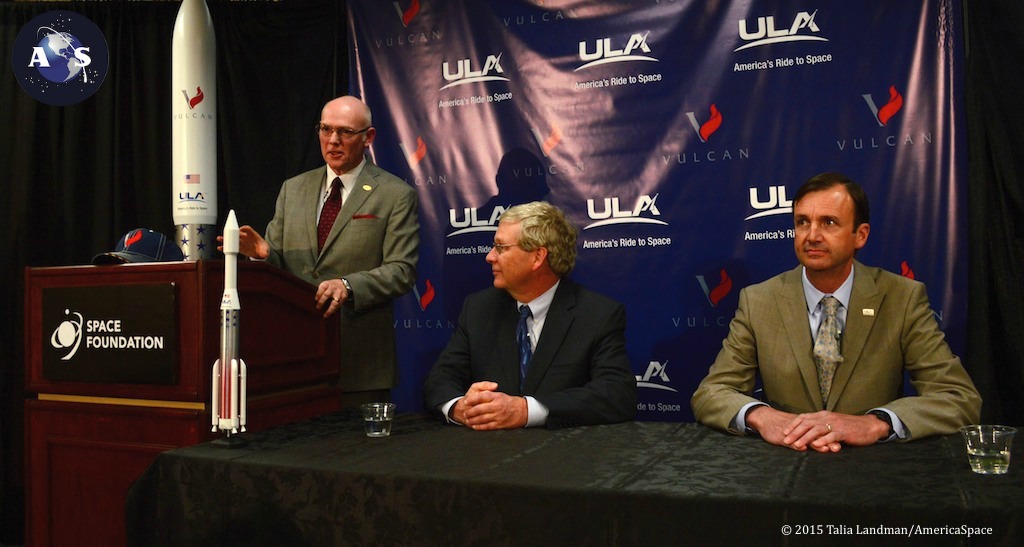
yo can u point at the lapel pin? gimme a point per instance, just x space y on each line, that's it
869 312
367 187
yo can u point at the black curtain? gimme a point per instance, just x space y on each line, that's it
76 178
995 120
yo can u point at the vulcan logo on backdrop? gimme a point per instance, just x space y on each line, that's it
409 13
415 155
718 292
766 32
474 221
604 52
549 142
611 212
655 377
888 110
409 37
883 115
776 202
463 72
193 101
705 130
427 297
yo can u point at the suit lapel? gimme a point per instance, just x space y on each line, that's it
556 327
312 195
859 320
793 309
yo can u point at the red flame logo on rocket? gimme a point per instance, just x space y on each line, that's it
723 288
193 101
905 270
892 107
712 125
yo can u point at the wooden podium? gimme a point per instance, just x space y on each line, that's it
118 369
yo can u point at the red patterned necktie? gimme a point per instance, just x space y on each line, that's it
328 214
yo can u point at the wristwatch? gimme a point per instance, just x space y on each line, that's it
884 416
347 287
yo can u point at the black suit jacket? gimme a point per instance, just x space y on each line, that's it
579 371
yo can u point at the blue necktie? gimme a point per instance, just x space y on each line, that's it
523 338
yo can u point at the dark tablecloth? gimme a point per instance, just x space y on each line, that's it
323 482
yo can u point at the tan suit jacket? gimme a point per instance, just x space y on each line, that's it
374 244
889 328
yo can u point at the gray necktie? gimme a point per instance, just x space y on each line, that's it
826 346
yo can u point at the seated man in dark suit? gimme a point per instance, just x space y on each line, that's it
537 349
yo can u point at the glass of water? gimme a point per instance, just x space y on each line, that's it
988 448
377 418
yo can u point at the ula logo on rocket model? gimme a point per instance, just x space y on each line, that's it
60 58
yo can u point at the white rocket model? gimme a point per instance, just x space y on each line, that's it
227 407
194 130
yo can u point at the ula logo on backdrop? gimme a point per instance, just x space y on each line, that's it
776 204
611 212
604 52
766 32
464 73
60 58
471 222
655 371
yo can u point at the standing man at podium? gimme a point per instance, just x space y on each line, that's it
351 229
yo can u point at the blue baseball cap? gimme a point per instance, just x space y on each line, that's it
141 245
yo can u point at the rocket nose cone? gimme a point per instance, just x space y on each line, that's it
232 222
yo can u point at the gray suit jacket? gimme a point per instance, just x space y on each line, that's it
580 370
889 328
374 244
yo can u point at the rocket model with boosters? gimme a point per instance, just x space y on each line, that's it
194 130
227 407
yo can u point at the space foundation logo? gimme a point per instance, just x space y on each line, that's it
60 58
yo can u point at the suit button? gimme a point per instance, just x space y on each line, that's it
316 275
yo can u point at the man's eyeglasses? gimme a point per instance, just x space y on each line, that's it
500 248
325 131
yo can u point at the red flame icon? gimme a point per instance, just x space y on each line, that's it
905 270
553 139
133 237
712 124
428 296
197 99
421 151
723 288
408 15
892 107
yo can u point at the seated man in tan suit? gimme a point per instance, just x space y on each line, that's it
831 340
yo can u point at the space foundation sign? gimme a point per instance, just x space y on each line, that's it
111 334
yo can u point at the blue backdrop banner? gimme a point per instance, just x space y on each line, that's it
674 134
